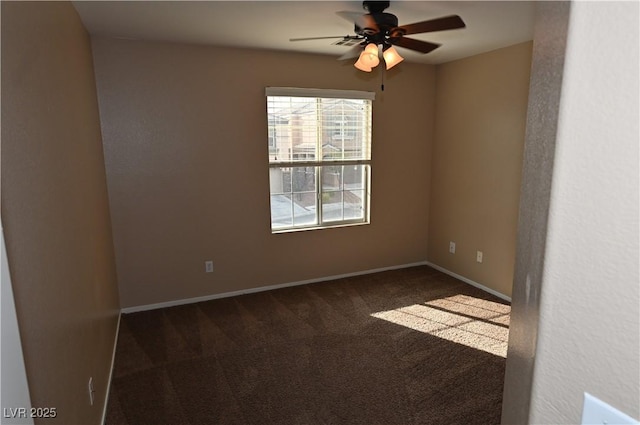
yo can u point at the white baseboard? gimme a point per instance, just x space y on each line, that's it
263 288
113 360
174 303
469 281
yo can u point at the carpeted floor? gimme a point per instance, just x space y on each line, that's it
409 346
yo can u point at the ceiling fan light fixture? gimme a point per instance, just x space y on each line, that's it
392 57
369 57
372 49
361 66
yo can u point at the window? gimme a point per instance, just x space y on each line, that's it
319 157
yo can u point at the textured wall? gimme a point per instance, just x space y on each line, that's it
540 142
185 140
481 108
54 208
575 324
589 335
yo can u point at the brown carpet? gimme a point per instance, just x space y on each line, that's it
410 346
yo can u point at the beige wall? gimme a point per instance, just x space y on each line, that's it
54 208
185 136
481 105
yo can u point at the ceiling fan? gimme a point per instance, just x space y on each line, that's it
377 32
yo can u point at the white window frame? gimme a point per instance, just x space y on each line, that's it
320 163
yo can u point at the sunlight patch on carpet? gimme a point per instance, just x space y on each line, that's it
474 322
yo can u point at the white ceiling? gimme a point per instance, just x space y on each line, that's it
270 24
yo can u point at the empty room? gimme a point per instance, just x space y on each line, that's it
295 212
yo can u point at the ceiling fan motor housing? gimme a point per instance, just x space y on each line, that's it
375 6
387 26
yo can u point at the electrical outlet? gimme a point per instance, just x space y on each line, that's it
92 392
208 266
452 247
479 256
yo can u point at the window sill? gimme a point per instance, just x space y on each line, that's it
332 226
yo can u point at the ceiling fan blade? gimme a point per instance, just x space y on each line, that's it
354 52
360 20
413 44
439 24
320 38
